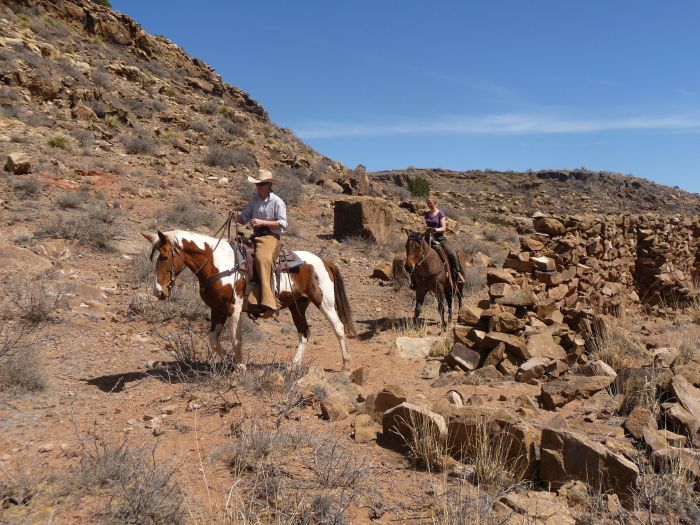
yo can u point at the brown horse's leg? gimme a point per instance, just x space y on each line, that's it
420 298
298 310
448 299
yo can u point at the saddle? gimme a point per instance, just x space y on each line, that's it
245 250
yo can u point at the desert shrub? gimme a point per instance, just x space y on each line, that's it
419 186
20 369
105 3
60 141
159 105
224 157
138 144
70 199
670 489
101 78
184 303
208 107
112 122
233 128
474 279
94 227
200 126
138 488
290 187
609 341
187 213
37 299
20 484
400 192
84 137
28 188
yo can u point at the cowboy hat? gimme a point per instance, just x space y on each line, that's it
262 177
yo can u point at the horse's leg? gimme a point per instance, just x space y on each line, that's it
448 298
441 306
327 307
236 341
218 321
420 298
298 310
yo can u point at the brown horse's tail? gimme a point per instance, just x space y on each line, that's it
342 306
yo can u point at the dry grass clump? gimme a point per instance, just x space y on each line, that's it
20 368
474 279
426 448
27 188
60 141
137 487
138 144
183 303
327 477
36 300
185 212
223 157
72 200
20 484
95 226
608 340
671 489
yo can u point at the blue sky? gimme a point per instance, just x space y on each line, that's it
609 85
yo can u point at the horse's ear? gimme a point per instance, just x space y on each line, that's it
150 237
161 236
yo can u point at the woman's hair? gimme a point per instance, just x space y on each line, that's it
431 198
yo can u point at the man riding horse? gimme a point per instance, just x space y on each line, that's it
267 214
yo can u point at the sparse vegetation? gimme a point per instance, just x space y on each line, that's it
138 144
223 157
60 141
187 213
419 186
290 187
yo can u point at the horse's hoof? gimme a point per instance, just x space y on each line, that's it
346 367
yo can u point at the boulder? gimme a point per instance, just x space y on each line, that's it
496 275
360 376
403 422
365 429
514 345
544 264
18 163
414 347
500 289
431 370
505 322
487 373
691 371
533 368
44 89
367 217
682 421
559 392
569 455
469 315
469 426
671 458
544 345
540 507
463 357
389 397
549 225
333 186
639 421
334 408
524 297
598 368
383 271
686 394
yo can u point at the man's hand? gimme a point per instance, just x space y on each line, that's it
257 223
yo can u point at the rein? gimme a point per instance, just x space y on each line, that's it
422 260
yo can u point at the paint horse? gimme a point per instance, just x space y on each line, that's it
222 286
431 274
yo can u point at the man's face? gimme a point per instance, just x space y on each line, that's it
263 189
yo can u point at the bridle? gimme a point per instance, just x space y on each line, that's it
422 257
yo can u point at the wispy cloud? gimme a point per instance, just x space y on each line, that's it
505 124
686 92
602 82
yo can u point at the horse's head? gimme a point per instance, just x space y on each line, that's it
168 263
414 250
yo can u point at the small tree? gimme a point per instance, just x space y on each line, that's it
419 186
105 3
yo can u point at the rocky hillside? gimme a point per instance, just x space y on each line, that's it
83 87
549 191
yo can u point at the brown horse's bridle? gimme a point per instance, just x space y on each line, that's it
420 240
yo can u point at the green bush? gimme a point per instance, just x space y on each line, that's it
105 3
419 186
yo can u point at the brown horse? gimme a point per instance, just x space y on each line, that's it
431 274
222 286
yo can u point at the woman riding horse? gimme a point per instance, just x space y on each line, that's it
436 221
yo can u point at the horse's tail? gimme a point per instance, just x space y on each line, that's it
342 306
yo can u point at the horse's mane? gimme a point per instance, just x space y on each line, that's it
177 236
